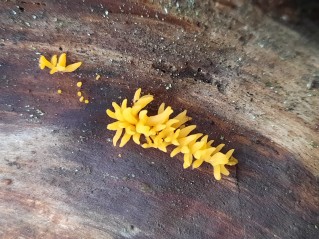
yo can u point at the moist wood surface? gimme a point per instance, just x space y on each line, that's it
245 80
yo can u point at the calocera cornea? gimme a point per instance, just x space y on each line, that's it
160 131
56 65
59 65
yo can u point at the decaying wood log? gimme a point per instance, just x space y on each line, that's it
242 77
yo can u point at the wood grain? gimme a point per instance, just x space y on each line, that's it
242 77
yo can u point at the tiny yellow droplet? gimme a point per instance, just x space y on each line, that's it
79 84
59 91
81 99
97 77
79 93
86 101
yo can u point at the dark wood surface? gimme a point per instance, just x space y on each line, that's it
245 79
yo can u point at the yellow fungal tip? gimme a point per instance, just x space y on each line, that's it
86 101
137 95
59 91
62 61
54 60
72 67
97 77
43 62
81 99
79 84
79 93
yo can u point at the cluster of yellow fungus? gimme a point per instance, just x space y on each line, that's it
79 93
160 131
58 65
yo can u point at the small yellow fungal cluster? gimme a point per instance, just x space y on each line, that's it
58 65
161 131
79 93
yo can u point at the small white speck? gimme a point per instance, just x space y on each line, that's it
168 86
262 45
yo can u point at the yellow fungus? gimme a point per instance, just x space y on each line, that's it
79 84
79 93
81 99
97 77
161 131
137 95
59 91
86 101
62 62
53 70
43 62
54 60
72 67
58 65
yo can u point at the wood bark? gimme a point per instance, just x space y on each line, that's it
246 80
